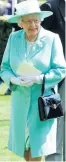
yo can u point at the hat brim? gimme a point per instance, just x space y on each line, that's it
42 14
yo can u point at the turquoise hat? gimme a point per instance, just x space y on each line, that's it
28 7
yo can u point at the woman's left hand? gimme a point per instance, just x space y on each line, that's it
33 79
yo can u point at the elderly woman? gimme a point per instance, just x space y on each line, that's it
31 53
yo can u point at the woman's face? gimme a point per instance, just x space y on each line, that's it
31 25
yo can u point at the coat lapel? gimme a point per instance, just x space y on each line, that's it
38 45
21 50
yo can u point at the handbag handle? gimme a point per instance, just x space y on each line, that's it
43 86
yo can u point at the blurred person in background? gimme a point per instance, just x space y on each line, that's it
5 30
56 22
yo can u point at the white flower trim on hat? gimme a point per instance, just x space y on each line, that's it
28 7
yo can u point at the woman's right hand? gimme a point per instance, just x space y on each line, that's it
20 81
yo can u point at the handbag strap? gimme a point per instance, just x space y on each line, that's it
43 86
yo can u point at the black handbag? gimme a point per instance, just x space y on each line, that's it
50 106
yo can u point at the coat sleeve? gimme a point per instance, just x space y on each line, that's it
58 64
6 72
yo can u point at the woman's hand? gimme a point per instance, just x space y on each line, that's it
26 80
21 81
34 79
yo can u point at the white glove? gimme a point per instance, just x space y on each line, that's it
38 79
35 79
20 81
30 83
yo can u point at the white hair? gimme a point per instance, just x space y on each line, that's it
19 21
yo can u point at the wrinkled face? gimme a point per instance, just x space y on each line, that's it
31 24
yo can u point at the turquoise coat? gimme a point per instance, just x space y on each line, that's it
47 56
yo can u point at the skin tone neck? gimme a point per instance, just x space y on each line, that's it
31 26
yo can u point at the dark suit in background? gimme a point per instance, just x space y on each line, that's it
56 24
